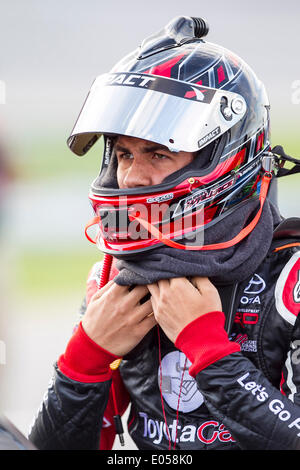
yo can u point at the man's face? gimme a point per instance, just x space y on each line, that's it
145 163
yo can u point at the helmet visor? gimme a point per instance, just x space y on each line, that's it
176 114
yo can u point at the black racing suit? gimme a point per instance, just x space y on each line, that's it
244 398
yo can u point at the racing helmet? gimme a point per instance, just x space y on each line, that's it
187 94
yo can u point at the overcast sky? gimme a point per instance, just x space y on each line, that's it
52 50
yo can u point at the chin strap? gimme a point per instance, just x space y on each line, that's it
217 246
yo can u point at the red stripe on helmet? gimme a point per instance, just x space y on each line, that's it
260 142
221 74
230 164
165 69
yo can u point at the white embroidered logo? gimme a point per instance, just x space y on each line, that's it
256 285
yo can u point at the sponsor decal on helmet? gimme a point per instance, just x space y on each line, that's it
128 79
208 137
203 196
108 151
168 86
206 195
164 197
195 94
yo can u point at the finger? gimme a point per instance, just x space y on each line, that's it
163 284
196 282
143 311
184 285
111 287
202 284
153 289
102 291
177 281
147 324
164 287
137 294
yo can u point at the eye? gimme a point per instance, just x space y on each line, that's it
124 156
160 156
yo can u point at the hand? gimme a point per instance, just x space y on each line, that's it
177 302
116 320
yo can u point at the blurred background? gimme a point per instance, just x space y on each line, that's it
49 55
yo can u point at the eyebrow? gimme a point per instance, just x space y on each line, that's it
145 149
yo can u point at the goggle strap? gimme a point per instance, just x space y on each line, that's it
93 221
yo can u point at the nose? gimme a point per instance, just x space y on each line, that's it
138 174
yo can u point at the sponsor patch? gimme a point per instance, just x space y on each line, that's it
208 432
247 345
273 405
287 290
296 291
256 285
176 380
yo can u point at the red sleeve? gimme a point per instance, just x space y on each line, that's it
108 432
204 341
84 360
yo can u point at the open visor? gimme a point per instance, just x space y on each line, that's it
176 114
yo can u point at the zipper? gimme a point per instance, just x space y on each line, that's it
231 313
